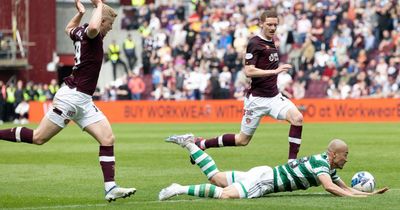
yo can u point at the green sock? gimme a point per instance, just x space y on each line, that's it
205 190
203 160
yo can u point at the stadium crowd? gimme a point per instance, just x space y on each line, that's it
338 49
14 99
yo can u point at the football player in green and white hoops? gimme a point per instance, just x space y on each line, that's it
299 174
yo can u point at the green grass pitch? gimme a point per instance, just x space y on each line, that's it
65 173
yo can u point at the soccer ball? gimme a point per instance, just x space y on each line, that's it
363 181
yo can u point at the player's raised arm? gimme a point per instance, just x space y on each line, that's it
75 21
331 187
95 20
343 185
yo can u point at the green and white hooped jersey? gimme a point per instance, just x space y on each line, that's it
302 173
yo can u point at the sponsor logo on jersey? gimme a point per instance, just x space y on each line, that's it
273 57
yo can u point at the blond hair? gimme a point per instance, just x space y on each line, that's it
108 12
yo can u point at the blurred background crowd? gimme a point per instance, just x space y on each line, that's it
339 49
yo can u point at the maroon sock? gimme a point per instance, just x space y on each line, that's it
17 134
294 140
221 141
107 162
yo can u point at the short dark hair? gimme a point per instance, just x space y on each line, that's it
270 13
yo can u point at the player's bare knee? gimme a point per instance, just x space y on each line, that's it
298 119
226 195
218 179
108 140
39 139
213 180
243 141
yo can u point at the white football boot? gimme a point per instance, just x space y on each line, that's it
169 192
182 140
119 192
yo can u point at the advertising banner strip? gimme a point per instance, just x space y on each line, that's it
314 110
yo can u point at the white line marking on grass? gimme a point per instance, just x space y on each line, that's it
79 206
100 205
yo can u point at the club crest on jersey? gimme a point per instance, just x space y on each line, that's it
273 57
248 56
79 34
248 120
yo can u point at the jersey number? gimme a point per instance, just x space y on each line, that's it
77 53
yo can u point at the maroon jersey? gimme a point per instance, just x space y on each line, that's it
88 60
263 55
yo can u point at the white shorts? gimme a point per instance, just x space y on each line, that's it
254 183
257 107
70 104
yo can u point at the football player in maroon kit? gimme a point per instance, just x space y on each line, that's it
73 101
263 98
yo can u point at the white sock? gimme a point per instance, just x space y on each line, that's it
109 185
183 190
193 148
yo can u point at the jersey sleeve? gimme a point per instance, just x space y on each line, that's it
319 166
78 33
251 53
334 176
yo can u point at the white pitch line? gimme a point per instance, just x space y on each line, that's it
98 205
133 202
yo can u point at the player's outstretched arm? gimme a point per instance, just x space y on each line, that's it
333 188
75 21
252 71
380 191
95 20
343 185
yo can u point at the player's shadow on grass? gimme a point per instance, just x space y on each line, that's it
298 195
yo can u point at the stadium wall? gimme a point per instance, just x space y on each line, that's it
314 110
41 22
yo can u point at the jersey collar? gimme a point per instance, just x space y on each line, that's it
263 38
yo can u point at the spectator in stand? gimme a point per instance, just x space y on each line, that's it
230 57
130 52
192 84
41 93
10 102
53 88
123 92
115 58
19 93
161 93
225 80
22 113
136 86
2 101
